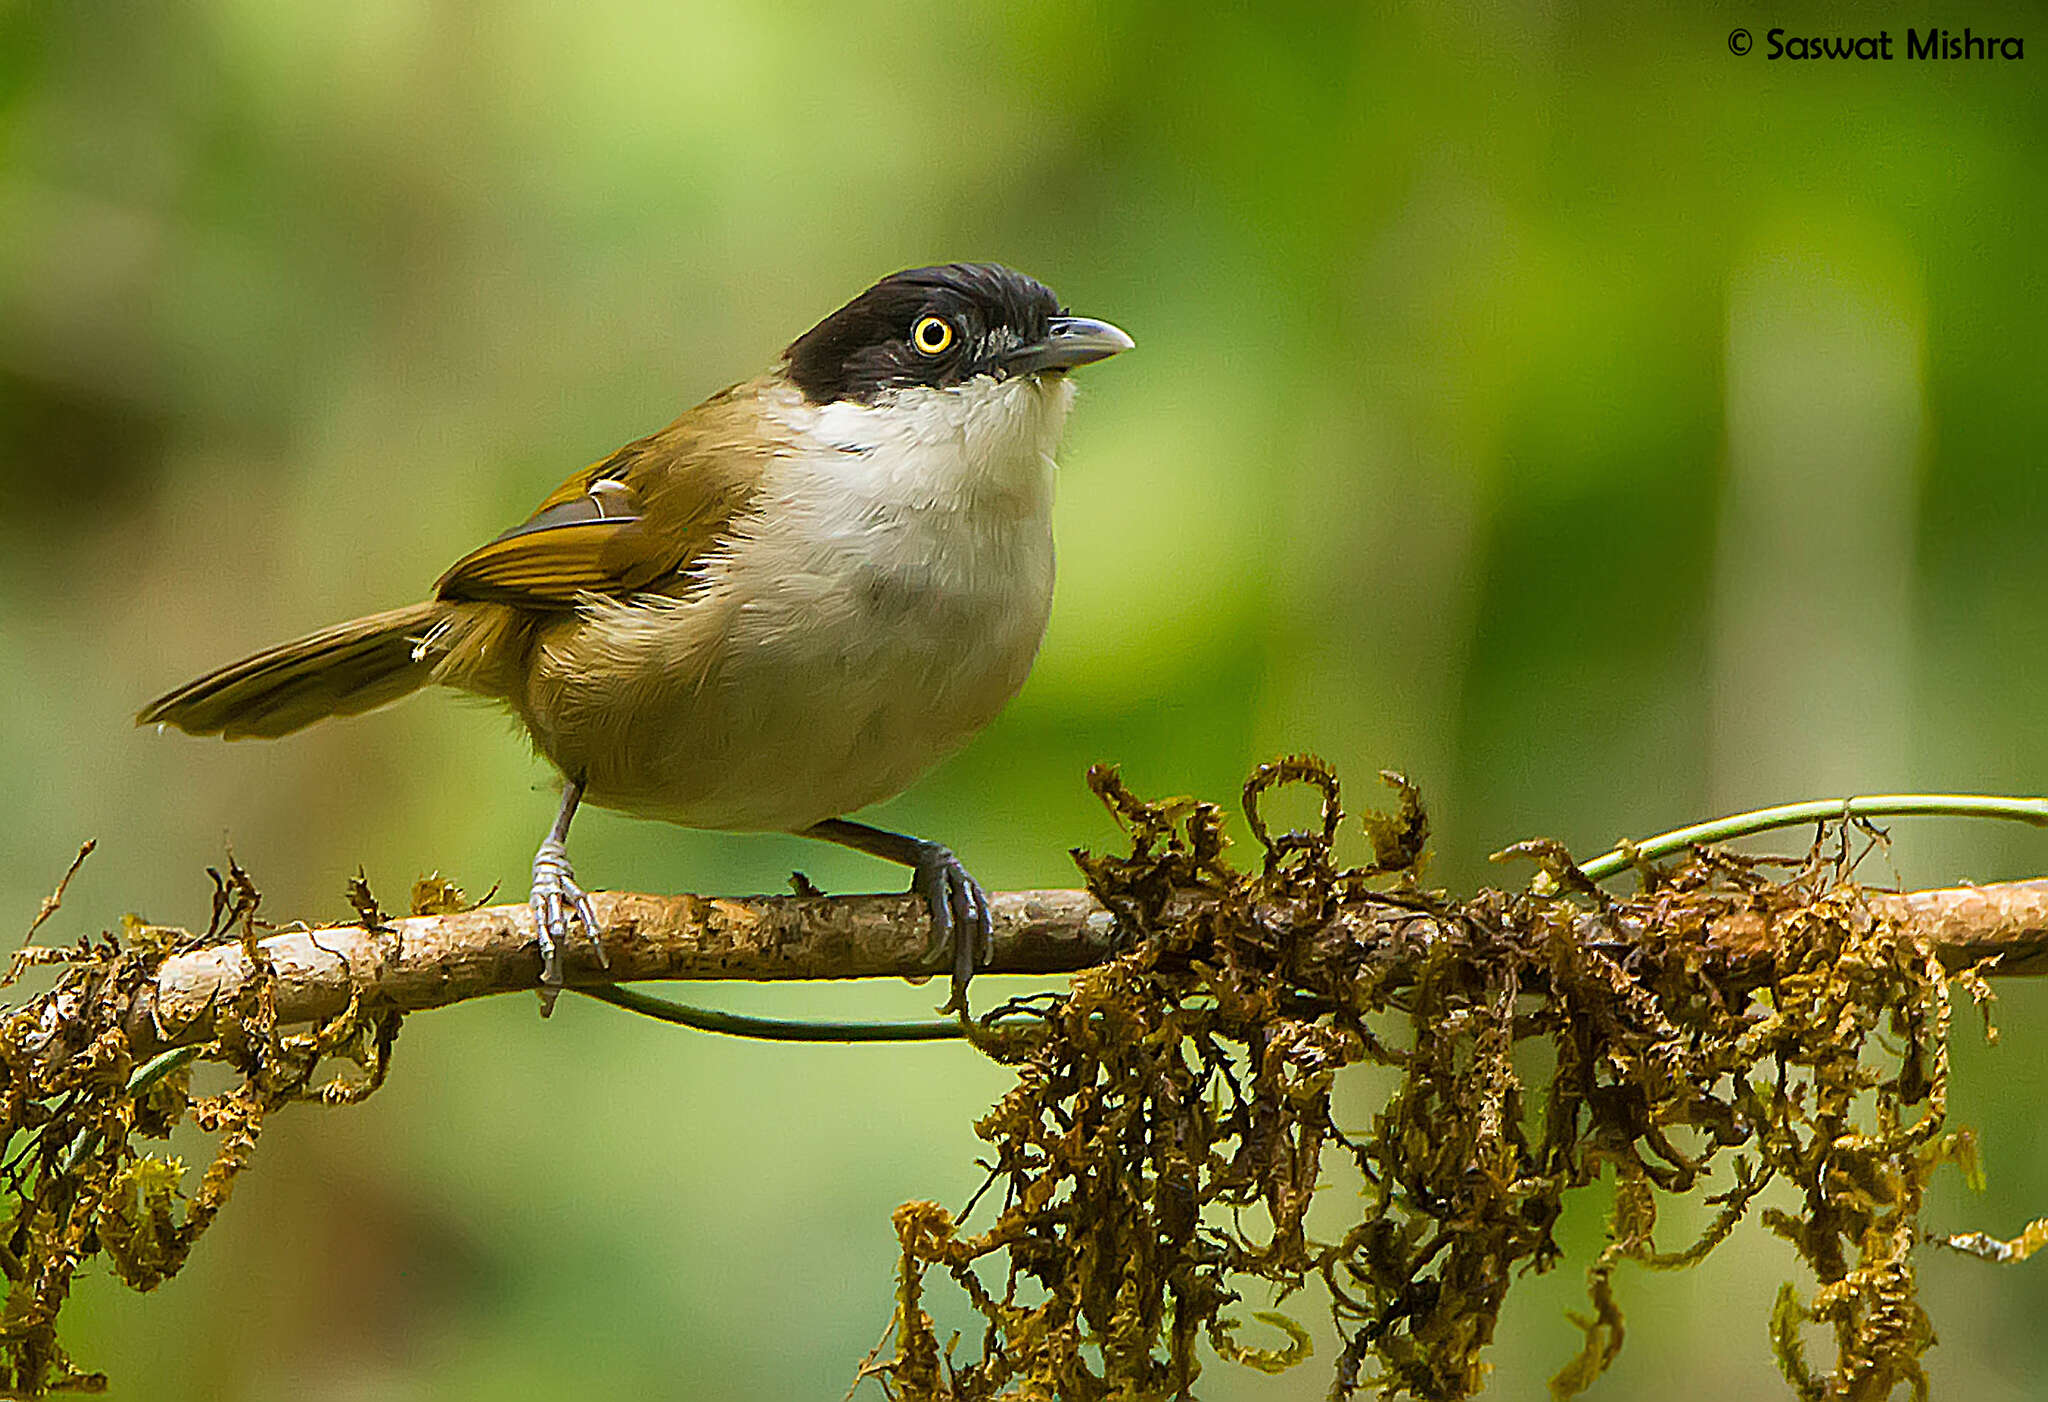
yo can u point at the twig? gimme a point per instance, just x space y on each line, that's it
56 898
431 961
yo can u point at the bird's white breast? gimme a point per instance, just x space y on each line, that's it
878 606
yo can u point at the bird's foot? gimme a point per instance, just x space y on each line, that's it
963 926
555 897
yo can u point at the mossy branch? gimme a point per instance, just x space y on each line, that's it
1737 1020
430 961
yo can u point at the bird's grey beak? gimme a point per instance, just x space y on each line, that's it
1069 341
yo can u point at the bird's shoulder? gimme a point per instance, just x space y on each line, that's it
643 513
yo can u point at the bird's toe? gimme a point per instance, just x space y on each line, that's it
963 926
555 900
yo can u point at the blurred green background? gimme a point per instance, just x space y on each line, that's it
1606 429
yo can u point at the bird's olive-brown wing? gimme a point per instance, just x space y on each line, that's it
630 520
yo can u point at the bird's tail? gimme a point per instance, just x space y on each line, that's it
337 671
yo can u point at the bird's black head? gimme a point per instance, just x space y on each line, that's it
943 326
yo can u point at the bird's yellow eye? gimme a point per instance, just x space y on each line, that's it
931 335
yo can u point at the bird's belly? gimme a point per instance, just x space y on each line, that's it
793 700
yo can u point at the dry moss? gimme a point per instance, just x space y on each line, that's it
77 1107
1172 1114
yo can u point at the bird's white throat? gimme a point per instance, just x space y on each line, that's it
987 440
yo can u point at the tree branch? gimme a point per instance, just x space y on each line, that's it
1972 923
431 961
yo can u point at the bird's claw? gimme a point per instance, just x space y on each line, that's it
963 925
555 896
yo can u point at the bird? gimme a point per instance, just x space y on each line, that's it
785 606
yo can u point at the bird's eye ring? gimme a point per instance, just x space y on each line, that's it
932 335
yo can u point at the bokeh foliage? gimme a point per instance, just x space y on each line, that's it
1603 428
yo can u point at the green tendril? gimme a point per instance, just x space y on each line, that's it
1818 810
